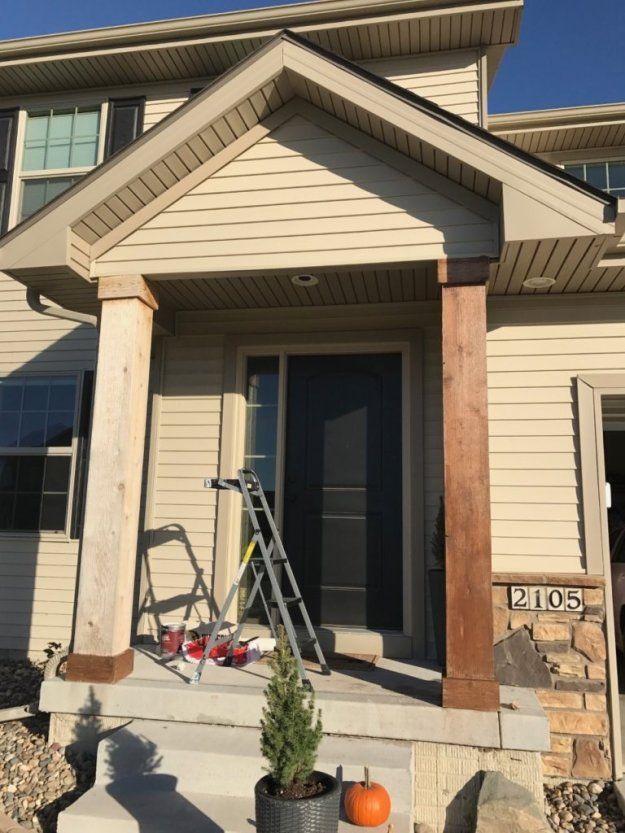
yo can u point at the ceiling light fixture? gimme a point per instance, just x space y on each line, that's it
304 280
539 282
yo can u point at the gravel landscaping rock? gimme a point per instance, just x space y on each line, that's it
583 808
20 681
37 781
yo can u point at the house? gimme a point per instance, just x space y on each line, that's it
294 239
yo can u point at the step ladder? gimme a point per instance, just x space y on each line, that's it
271 562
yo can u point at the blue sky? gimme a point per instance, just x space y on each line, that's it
570 51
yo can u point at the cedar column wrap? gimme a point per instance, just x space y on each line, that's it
469 679
101 649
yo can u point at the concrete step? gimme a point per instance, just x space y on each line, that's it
226 760
152 807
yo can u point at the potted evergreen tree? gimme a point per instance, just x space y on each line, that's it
437 582
293 797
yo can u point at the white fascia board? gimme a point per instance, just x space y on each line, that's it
557 119
248 23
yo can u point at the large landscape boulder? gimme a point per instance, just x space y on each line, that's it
505 806
517 662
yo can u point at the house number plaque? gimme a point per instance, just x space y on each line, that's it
546 598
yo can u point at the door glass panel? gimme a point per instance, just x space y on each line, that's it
261 434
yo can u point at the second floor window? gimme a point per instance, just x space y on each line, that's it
60 145
609 176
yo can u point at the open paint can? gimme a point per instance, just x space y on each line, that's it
172 637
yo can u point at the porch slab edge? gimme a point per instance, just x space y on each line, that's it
375 716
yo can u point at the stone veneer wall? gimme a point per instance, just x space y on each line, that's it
563 656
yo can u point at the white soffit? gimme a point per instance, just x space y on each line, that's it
207 46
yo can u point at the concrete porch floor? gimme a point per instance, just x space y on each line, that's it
397 699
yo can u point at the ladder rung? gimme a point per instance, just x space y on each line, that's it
258 559
289 601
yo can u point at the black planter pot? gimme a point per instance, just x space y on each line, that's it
436 576
319 814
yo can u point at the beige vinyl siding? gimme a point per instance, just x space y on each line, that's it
449 79
301 196
535 477
162 102
37 573
181 519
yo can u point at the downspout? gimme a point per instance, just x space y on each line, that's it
33 299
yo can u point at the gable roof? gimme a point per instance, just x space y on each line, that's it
193 140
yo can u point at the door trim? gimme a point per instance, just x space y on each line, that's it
590 390
408 343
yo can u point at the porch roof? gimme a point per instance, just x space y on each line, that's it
547 219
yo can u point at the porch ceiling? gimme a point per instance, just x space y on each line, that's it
266 291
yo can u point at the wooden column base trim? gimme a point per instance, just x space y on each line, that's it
87 668
478 695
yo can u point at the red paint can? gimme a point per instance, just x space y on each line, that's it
172 637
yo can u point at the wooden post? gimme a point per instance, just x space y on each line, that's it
469 680
101 648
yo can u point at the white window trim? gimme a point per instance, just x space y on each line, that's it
70 451
20 175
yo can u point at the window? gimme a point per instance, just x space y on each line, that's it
37 417
61 139
60 146
609 176
261 434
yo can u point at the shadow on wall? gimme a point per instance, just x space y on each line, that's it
185 605
39 571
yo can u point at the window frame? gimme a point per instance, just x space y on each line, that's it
55 451
570 163
20 175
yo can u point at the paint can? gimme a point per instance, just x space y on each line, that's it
172 637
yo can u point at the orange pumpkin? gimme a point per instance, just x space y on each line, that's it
367 804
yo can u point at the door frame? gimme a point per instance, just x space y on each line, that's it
591 388
411 641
